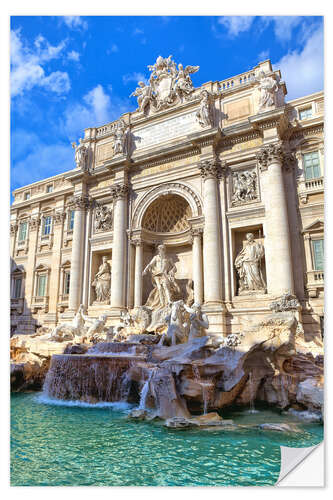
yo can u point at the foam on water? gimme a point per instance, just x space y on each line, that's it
309 416
116 405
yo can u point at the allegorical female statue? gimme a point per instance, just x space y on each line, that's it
248 265
204 113
102 281
162 271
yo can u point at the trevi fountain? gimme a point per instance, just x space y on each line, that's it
186 387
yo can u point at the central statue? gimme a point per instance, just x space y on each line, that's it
162 270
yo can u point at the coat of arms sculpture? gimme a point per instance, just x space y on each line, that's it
168 85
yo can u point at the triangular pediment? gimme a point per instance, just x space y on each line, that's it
317 225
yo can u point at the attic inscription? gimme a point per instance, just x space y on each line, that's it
164 131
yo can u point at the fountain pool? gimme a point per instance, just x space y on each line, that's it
77 444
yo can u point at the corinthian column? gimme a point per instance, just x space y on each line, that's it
80 204
119 193
211 238
277 238
138 273
197 265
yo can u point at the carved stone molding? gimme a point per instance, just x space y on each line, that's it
119 191
210 169
58 218
287 302
13 229
34 223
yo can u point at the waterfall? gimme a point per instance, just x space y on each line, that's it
88 378
206 387
144 392
252 395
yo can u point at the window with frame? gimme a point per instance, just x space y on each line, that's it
71 220
47 224
41 285
311 164
27 196
49 188
23 229
17 288
318 254
305 113
67 279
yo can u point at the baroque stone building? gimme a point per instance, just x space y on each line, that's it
196 169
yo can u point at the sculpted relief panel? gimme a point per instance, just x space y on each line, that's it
244 187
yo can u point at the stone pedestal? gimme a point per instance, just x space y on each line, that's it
276 227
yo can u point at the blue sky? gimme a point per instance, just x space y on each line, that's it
69 73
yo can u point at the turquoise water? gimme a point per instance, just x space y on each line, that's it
57 445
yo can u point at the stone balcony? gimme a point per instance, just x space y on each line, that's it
40 303
17 305
311 186
314 282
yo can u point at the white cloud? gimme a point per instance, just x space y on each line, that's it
58 82
236 24
96 109
303 70
26 66
134 77
138 31
283 25
114 48
75 22
73 55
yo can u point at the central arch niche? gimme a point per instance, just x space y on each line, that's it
167 214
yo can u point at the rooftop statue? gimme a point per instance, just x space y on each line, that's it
81 155
269 91
168 85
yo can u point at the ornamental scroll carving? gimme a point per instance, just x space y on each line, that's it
287 302
34 223
59 217
244 187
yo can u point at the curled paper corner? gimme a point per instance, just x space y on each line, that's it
292 457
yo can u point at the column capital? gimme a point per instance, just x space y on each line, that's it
80 202
275 153
196 231
210 169
138 242
268 154
119 191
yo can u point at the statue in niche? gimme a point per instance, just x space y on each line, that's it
248 266
198 321
103 219
144 95
81 155
268 91
102 281
204 113
120 134
162 271
244 186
